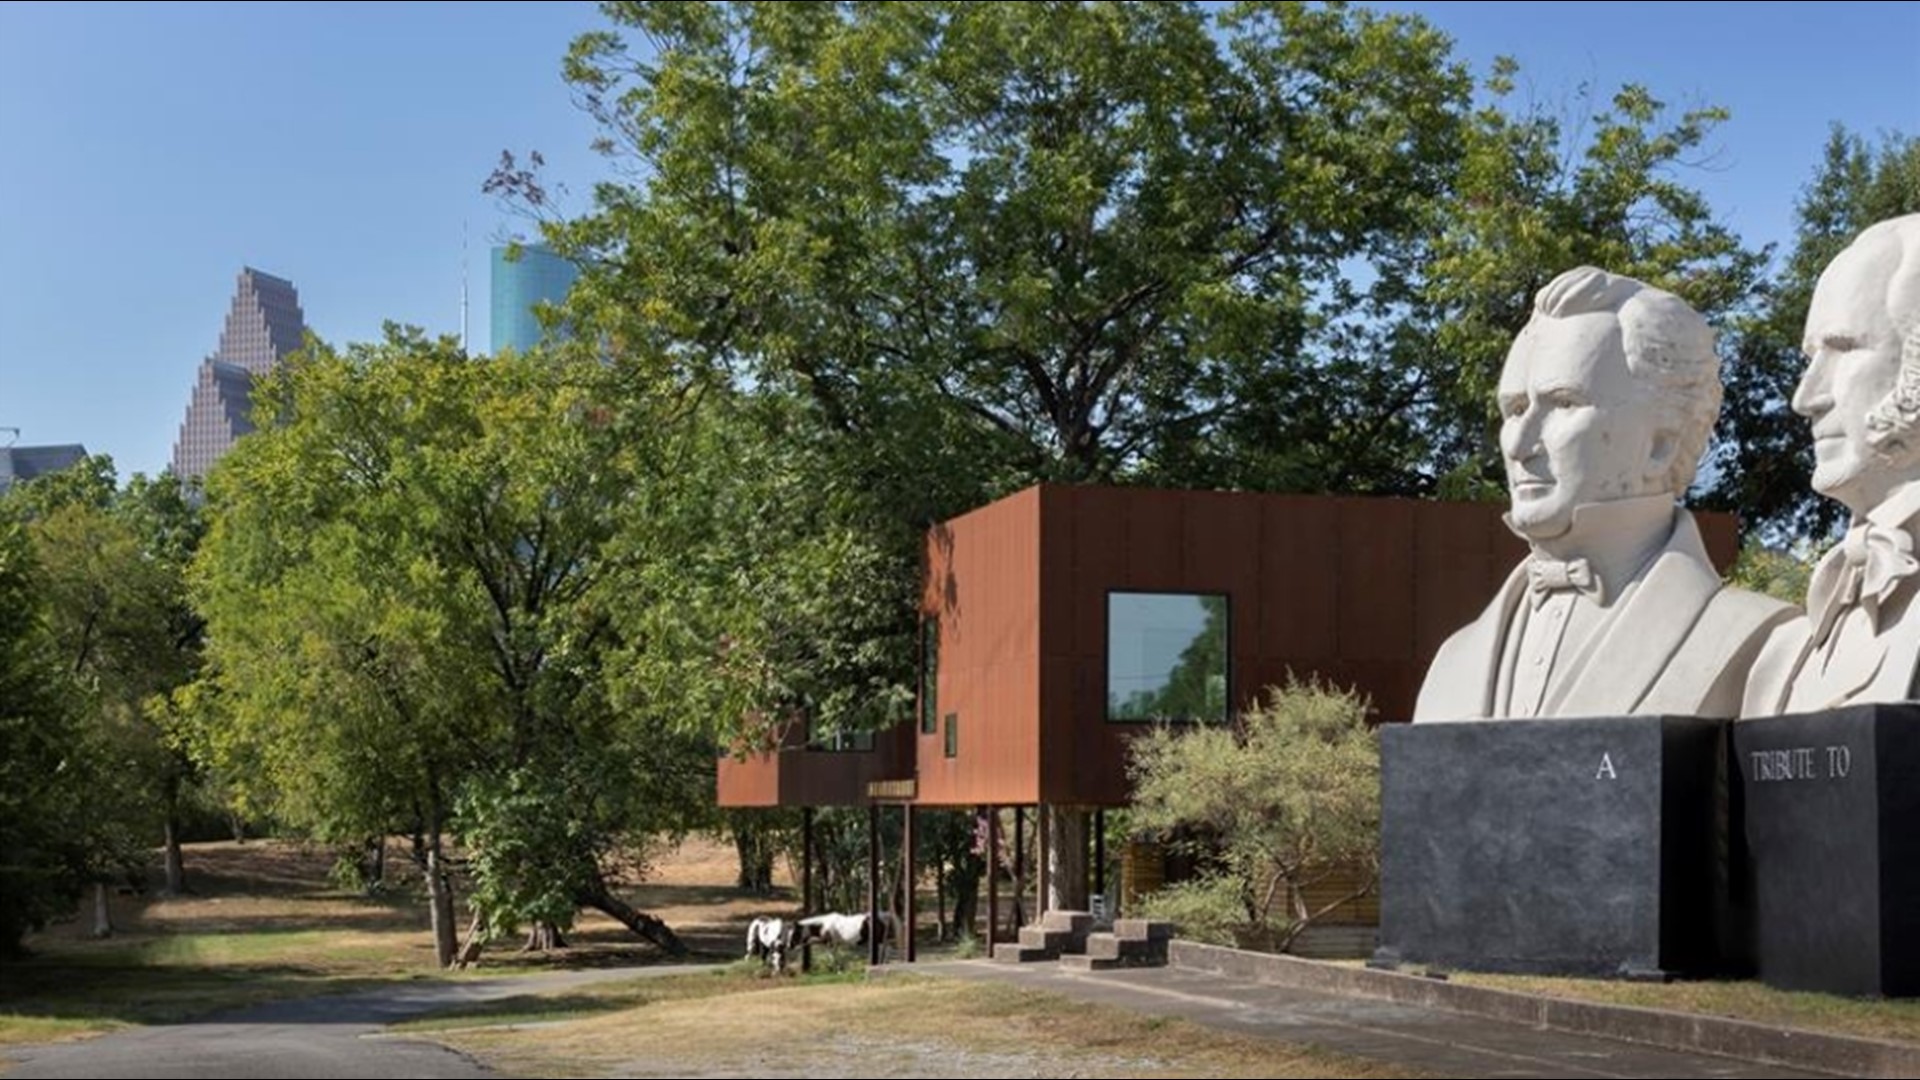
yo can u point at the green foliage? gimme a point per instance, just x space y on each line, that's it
48 777
1542 190
528 858
897 260
411 585
760 576
1271 808
1210 909
1782 574
111 567
1765 453
1083 241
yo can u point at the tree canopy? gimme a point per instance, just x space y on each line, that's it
408 587
1764 457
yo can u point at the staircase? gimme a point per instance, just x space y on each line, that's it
1069 937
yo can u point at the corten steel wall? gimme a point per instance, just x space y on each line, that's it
797 776
1361 591
983 585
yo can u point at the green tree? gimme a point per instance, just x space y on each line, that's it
1284 801
940 251
112 563
408 584
1542 190
1765 454
1097 235
47 775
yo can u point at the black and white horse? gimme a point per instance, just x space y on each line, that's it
770 940
840 930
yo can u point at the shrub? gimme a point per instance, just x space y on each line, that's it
1274 807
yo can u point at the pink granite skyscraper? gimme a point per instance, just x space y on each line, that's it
264 325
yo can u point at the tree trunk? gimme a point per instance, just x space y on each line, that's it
446 943
602 899
469 954
941 877
965 886
1067 859
238 826
102 914
756 858
542 937
373 864
176 865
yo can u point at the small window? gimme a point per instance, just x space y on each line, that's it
1167 656
842 742
953 734
929 675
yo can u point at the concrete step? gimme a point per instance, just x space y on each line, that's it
1074 922
1111 947
1010 953
1143 929
1053 941
1097 963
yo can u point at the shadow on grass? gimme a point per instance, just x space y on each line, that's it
117 987
617 997
664 895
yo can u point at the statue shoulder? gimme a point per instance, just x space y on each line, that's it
1735 610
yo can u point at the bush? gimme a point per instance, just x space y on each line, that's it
1274 808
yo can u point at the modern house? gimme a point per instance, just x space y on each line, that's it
1059 621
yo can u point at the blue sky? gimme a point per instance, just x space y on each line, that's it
148 151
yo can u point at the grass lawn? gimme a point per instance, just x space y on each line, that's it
1746 1000
844 1025
263 924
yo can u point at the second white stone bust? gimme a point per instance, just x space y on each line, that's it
1607 400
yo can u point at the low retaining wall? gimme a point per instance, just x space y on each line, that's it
1677 1031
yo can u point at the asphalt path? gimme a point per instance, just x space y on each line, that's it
310 1037
342 1036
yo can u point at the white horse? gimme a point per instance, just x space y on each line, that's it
836 929
770 940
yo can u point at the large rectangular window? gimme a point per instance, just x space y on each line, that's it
1166 656
929 675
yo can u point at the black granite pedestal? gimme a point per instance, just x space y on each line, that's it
1831 802
1574 847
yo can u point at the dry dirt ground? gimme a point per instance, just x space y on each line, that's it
899 1026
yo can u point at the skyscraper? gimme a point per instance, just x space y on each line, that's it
20 463
263 326
537 276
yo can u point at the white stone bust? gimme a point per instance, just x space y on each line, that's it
1606 401
1860 640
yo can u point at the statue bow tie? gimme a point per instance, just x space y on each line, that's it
1863 571
1547 576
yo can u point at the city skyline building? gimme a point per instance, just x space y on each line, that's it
264 324
22 463
534 276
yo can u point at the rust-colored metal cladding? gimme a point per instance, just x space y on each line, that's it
1721 534
1313 585
1018 602
982 592
795 774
